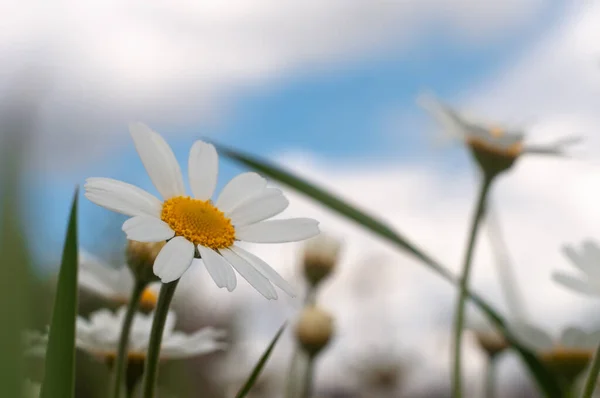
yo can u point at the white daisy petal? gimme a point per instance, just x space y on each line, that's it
174 259
147 229
265 269
531 336
203 168
250 274
278 231
103 279
121 197
267 204
218 268
159 161
240 188
576 284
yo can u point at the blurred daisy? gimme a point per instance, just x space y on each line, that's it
566 356
587 261
197 226
100 334
31 389
35 343
112 283
494 147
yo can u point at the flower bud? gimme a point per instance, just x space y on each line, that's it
314 330
567 363
491 342
320 258
140 259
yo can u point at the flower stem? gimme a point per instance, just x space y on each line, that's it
308 377
592 378
160 316
490 377
459 318
121 363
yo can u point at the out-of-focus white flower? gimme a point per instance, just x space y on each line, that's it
31 389
587 261
567 355
100 334
197 224
35 343
112 283
494 147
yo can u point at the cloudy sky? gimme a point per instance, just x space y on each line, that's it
328 90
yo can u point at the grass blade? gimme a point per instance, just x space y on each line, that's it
259 365
545 380
14 271
59 374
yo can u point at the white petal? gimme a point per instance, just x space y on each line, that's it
121 197
265 269
266 204
159 161
576 284
240 188
251 274
203 168
582 261
96 276
218 268
531 336
278 231
174 259
147 229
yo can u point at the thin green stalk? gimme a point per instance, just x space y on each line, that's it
160 316
490 377
308 377
459 319
592 378
299 358
121 363
504 267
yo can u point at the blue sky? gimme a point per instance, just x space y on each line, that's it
361 110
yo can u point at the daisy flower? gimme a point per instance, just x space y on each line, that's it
197 225
587 261
495 147
567 355
114 284
35 343
100 335
31 389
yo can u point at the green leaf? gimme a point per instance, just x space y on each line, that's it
259 365
59 374
14 271
545 380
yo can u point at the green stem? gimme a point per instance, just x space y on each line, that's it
592 378
490 377
459 318
160 316
308 377
120 365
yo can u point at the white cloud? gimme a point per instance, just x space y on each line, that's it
109 62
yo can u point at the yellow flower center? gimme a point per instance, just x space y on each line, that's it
199 222
512 151
148 299
496 132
